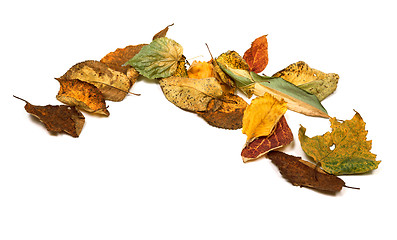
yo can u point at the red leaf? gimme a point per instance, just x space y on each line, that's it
257 56
281 136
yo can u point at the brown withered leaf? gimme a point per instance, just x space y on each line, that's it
83 95
305 174
257 55
162 33
281 136
58 118
115 60
226 112
114 85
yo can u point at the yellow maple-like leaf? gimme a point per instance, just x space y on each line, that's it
262 115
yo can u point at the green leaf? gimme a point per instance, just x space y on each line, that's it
298 100
159 59
345 150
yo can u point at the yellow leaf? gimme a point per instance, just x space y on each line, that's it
200 70
262 115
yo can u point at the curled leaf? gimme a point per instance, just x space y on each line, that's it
226 112
281 136
345 150
83 95
162 33
257 56
159 59
309 79
262 115
305 174
191 94
201 70
114 85
59 118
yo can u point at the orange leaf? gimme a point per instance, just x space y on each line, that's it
83 95
257 56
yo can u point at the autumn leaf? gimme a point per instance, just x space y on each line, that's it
261 116
305 174
191 94
309 79
114 85
257 55
281 136
159 59
226 112
83 95
345 150
58 118
201 70
162 33
181 70
297 99
115 60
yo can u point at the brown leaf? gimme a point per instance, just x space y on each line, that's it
303 173
257 56
114 85
225 113
162 33
59 118
115 60
83 95
281 136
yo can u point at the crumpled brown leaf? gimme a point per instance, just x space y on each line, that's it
257 55
226 112
83 95
281 136
303 173
114 85
59 118
162 33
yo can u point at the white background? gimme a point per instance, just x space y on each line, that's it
153 171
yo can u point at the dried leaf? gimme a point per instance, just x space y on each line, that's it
297 99
233 60
262 115
257 56
303 173
115 60
114 85
191 94
200 70
59 118
181 68
226 112
159 59
345 150
281 136
162 33
309 79
83 95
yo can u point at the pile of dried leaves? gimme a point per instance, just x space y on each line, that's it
209 90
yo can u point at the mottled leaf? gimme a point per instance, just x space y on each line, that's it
83 95
309 79
114 85
159 59
305 174
226 112
58 118
115 60
191 94
281 136
345 150
257 55
262 115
